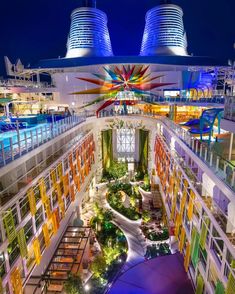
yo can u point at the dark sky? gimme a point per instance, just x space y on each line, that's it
34 30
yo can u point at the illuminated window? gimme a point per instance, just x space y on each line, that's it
125 140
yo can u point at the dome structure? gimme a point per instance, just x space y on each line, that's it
89 35
164 32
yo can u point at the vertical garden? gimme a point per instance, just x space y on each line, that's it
107 149
143 151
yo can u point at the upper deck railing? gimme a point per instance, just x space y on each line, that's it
229 108
24 83
222 168
22 142
220 100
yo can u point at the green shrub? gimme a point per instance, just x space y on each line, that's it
73 285
98 266
116 171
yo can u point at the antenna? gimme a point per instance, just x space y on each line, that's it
88 3
165 2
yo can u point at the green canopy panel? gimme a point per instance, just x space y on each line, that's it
5 100
219 288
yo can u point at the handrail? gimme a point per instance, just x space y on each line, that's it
204 152
28 139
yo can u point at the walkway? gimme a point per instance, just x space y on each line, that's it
162 275
135 238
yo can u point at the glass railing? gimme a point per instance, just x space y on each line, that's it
223 168
17 143
191 100
229 108
13 189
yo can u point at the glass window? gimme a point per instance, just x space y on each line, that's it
24 207
30 261
47 183
28 230
13 251
203 258
41 241
54 198
37 194
66 164
67 201
15 216
125 140
39 217
215 248
2 265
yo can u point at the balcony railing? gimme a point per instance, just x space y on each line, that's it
229 109
223 168
21 142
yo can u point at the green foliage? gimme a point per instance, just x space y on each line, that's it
107 150
114 188
146 180
139 175
143 151
132 200
115 171
114 245
157 250
156 236
111 253
73 285
130 212
146 217
98 266
115 199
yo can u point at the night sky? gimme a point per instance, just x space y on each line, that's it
34 30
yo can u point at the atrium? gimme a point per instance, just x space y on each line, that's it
117 173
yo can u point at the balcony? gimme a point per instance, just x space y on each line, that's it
19 143
229 109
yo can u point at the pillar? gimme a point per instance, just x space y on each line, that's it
173 112
230 147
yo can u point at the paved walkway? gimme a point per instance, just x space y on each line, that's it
162 275
135 238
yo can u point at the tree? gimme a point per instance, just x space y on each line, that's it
98 266
117 170
146 180
132 200
73 285
146 217
110 254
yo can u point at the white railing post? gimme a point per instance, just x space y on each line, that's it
3 153
31 135
196 146
201 150
12 151
211 158
37 137
26 143
192 144
233 179
225 167
206 151
217 163
18 137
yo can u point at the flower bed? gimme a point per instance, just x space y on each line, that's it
114 248
157 250
114 198
161 234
